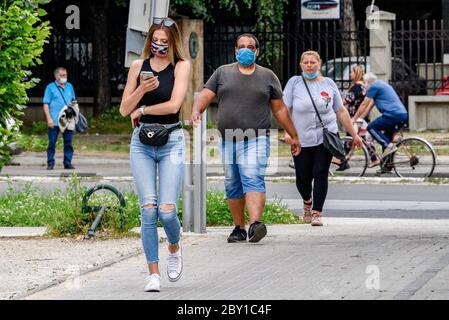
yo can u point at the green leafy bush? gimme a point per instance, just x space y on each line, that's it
22 38
60 210
111 121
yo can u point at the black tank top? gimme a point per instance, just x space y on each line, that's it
160 95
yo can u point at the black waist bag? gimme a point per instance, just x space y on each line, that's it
155 134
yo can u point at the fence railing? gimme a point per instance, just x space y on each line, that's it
281 47
418 49
73 50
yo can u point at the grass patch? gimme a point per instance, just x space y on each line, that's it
218 214
36 143
110 122
436 180
60 210
81 143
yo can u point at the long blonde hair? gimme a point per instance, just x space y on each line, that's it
359 72
175 51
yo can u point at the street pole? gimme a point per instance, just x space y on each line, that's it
195 182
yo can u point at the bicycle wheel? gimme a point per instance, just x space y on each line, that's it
357 160
415 157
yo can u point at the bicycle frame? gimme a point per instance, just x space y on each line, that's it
400 141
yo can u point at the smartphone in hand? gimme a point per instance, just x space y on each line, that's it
146 75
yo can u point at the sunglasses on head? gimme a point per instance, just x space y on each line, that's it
166 21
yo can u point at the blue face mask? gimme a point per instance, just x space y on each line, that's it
311 76
246 57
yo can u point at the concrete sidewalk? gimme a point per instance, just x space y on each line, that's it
345 259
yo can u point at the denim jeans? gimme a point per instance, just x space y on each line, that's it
147 164
51 149
385 123
245 163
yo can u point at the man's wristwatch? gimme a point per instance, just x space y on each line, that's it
142 110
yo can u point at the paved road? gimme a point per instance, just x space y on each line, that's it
34 164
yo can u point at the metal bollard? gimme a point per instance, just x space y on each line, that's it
195 183
100 209
187 204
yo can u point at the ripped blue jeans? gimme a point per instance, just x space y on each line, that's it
147 164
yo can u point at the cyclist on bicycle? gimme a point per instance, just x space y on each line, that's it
389 105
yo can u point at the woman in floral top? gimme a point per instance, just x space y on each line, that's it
356 92
352 102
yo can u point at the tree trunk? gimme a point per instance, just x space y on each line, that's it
99 22
349 46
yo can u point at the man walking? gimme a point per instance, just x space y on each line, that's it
58 94
245 93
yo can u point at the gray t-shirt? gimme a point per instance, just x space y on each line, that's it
244 100
327 100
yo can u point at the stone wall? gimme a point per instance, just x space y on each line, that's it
428 112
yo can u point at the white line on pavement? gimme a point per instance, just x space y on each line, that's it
357 205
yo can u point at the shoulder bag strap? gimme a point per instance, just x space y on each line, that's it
313 102
59 89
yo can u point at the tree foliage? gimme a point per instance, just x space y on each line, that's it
267 15
267 11
22 37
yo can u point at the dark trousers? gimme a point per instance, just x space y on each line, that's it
382 128
312 165
68 148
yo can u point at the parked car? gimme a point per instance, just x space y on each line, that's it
404 80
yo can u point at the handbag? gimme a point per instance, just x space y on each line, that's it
155 134
81 125
331 141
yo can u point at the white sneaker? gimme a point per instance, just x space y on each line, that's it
154 283
174 265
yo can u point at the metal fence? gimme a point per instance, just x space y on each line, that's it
219 46
339 49
417 47
281 47
73 49
418 53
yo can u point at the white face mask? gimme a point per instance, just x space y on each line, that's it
62 80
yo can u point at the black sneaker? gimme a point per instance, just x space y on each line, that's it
237 235
257 231
343 166
384 170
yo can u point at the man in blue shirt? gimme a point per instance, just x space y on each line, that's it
389 105
58 94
